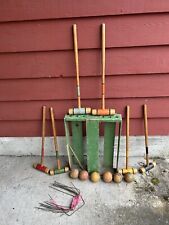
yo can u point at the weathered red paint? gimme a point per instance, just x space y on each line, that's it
30 110
119 61
33 128
47 9
37 62
64 88
121 31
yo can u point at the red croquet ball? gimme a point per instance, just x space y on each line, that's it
83 175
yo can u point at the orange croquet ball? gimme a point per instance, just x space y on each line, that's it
83 175
107 177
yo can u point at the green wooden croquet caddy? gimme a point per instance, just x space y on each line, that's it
74 127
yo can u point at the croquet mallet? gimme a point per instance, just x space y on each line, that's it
148 166
58 170
103 111
128 169
117 176
79 110
41 166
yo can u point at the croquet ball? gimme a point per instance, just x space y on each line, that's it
107 177
128 177
95 177
74 173
83 175
117 177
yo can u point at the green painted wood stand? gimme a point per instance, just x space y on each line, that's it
74 123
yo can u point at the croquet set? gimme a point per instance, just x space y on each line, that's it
84 165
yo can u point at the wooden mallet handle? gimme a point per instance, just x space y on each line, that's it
127 133
146 133
76 63
54 138
103 63
43 133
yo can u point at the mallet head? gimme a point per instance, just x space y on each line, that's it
129 170
80 111
145 169
58 171
103 112
41 168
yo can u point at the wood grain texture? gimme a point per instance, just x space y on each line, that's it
121 31
49 9
119 61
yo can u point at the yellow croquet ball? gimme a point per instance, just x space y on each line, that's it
95 177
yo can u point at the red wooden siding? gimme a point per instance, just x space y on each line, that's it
37 61
119 61
23 109
29 127
121 31
47 9
63 88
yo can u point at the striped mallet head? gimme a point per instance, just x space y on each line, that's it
79 111
41 168
128 170
58 171
103 112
